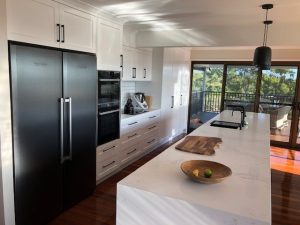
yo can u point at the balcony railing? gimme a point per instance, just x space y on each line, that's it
210 101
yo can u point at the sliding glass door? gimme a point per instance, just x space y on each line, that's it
240 86
277 97
206 92
275 92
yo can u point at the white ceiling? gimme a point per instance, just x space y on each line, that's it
215 22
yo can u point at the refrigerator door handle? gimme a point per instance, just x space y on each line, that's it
69 100
61 100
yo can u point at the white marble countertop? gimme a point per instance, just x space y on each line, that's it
246 194
127 116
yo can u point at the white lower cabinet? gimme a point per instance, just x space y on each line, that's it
139 135
129 152
107 159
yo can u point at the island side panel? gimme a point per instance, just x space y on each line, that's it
137 207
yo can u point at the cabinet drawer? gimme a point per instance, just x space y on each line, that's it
107 166
131 136
152 117
150 128
130 152
129 125
150 142
108 149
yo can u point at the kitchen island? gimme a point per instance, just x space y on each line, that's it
158 193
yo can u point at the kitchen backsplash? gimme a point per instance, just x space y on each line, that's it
127 88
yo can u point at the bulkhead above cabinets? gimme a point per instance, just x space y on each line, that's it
137 64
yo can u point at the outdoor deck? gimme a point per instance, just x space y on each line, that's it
206 104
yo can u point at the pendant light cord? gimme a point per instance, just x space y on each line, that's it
266 29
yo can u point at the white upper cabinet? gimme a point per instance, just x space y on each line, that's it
33 21
78 30
46 22
147 66
137 64
109 45
129 73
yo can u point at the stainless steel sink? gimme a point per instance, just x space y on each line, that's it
225 124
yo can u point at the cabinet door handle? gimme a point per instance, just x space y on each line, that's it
63 33
109 164
69 101
121 60
151 117
58 32
133 72
180 99
145 73
150 128
61 100
172 103
129 153
149 142
105 150
131 136
130 124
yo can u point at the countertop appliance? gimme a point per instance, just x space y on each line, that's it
128 108
54 94
108 106
139 103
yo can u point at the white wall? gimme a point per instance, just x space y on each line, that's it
240 54
153 88
5 123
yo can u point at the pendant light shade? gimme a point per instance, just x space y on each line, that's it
263 57
263 54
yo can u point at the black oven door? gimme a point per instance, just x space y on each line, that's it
108 95
108 126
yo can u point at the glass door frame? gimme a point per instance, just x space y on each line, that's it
295 105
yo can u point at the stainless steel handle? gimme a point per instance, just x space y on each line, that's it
121 60
108 164
132 123
105 80
172 103
129 153
133 72
180 99
69 100
145 73
63 33
109 112
105 150
61 100
151 117
58 32
131 136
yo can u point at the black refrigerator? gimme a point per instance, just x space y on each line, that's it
54 99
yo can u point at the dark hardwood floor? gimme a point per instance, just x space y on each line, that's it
100 207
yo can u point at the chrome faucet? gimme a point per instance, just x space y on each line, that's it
243 113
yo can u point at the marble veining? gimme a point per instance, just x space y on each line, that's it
245 197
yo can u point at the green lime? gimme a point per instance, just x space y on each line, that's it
207 173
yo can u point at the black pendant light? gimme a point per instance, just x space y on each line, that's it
263 54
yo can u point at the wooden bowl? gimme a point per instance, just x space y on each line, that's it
219 171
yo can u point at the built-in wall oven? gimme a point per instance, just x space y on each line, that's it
108 106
